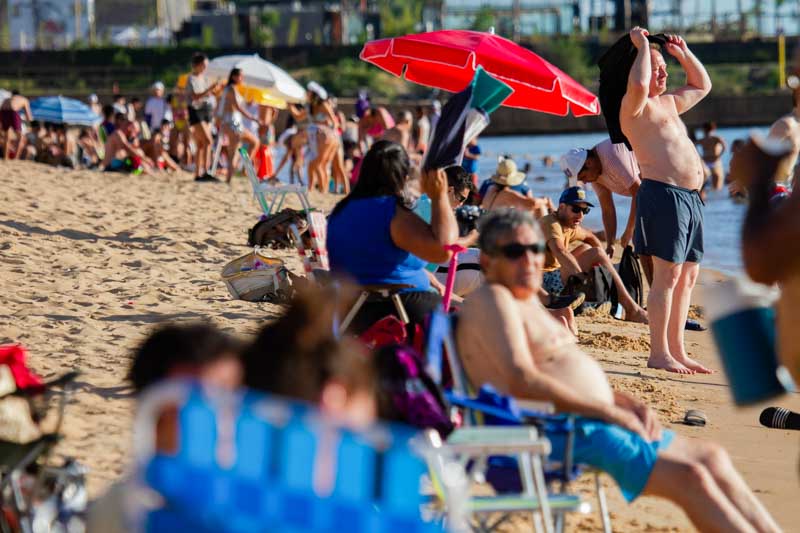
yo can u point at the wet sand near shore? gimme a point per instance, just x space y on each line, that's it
89 262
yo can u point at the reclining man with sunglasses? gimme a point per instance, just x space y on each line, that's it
562 229
507 339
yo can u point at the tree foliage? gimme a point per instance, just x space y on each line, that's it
400 17
484 19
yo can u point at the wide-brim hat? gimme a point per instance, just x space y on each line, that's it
507 173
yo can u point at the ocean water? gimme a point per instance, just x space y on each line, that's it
723 217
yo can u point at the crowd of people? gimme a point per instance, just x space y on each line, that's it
200 125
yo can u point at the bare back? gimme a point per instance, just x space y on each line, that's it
661 144
712 147
497 197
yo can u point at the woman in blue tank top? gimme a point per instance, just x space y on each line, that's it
375 239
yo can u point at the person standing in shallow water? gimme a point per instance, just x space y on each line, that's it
669 210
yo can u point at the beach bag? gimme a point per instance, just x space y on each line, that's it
407 393
274 231
597 285
257 278
631 274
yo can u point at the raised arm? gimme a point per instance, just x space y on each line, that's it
635 98
767 229
698 83
427 241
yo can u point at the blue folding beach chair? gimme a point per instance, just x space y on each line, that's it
246 462
486 406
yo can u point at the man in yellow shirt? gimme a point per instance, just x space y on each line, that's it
561 230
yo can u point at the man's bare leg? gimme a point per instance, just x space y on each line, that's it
21 142
691 485
647 266
587 257
659 303
681 298
718 463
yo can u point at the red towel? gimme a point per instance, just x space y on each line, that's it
13 356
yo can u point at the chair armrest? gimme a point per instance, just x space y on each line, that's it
497 440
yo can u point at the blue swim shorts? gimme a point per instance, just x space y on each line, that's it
622 454
669 222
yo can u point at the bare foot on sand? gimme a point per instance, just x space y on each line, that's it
693 365
638 315
668 363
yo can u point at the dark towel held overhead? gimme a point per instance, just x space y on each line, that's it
615 65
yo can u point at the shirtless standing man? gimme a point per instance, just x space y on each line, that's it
713 147
11 121
669 211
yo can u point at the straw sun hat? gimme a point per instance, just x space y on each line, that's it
507 173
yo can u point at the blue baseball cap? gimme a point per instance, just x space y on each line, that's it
574 195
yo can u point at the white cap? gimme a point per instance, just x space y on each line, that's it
158 86
93 98
572 162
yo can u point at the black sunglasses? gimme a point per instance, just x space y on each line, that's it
578 209
459 198
515 250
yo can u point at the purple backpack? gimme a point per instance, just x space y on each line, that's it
407 393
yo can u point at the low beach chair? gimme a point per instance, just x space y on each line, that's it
32 489
247 462
486 406
272 197
473 446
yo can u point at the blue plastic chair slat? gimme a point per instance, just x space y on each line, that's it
270 484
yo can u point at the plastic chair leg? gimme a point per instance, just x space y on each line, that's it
401 310
353 310
602 503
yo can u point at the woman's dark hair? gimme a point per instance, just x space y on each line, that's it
198 58
234 72
298 354
384 172
172 345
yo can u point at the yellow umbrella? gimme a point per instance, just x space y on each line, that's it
261 96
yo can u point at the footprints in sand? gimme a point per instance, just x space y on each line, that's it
89 263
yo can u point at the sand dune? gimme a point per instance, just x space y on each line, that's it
89 262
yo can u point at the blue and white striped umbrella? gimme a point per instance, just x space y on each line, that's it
60 110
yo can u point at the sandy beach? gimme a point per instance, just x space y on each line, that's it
89 262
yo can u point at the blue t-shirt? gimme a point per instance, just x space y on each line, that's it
360 245
521 188
471 165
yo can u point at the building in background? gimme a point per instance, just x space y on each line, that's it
55 24
48 24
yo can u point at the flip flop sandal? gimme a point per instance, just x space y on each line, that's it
694 325
693 417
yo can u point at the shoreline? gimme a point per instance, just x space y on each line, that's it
91 262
